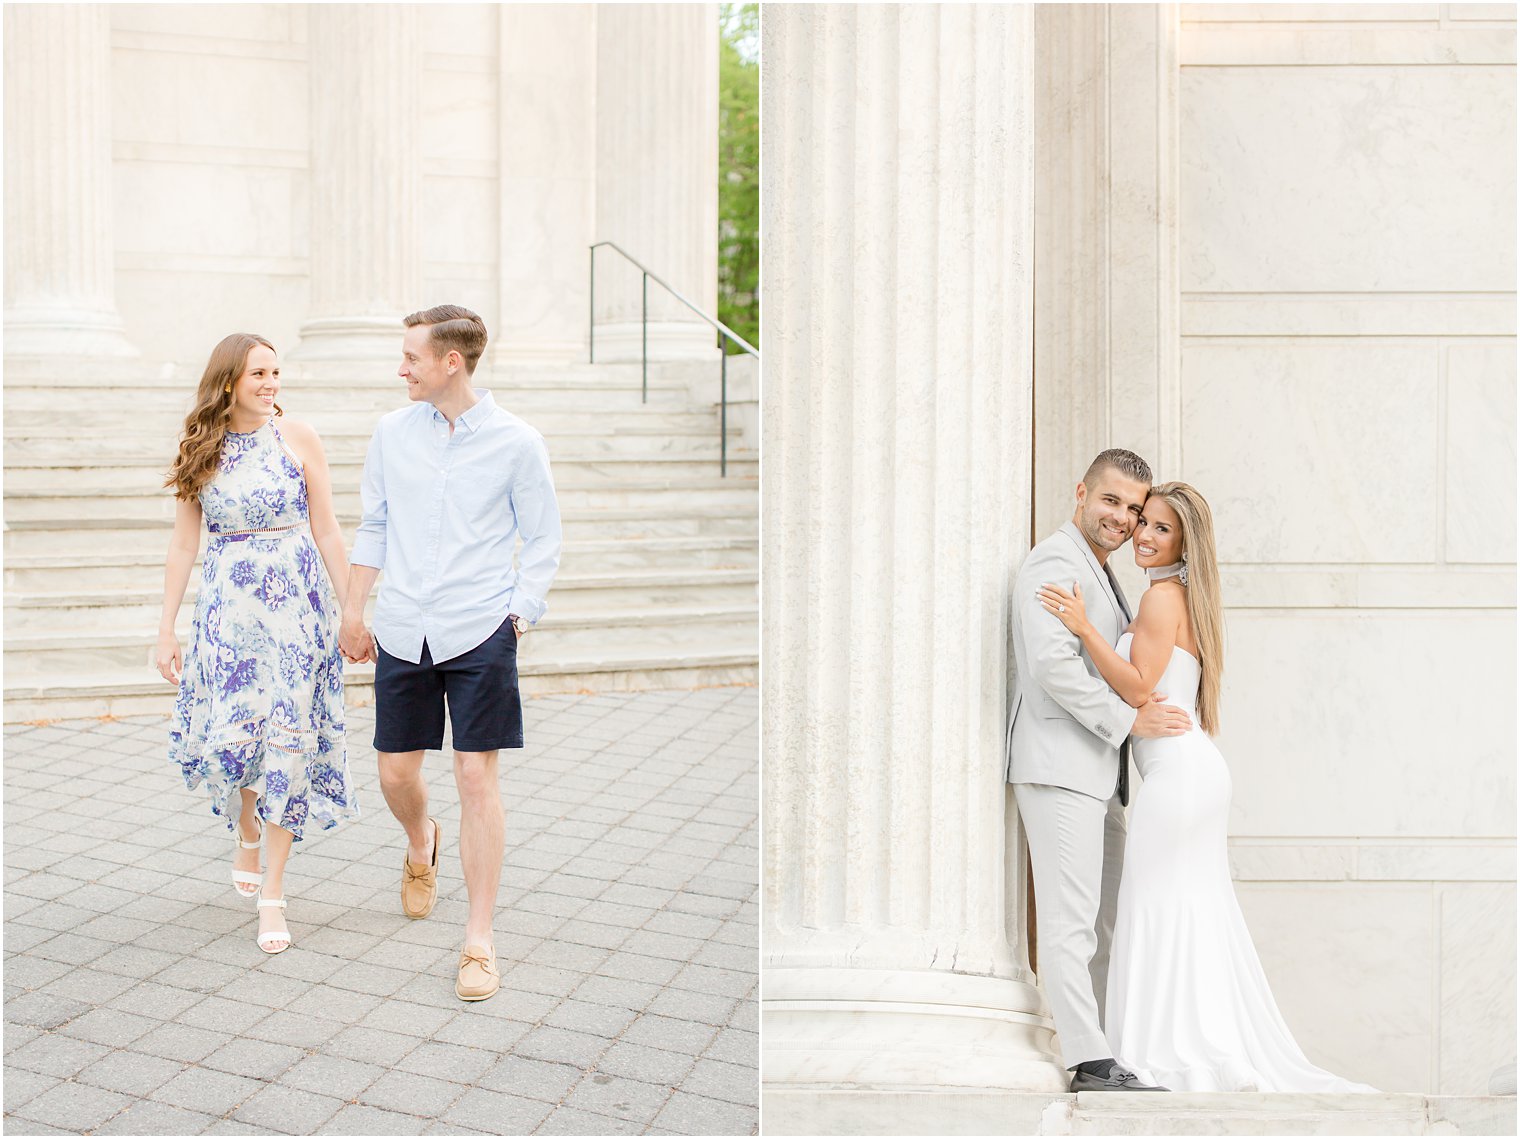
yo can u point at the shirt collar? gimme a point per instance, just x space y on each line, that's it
475 416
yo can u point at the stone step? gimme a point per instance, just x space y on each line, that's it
87 569
161 427
90 470
122 609
75 695
791 1110
130 502
89 526
570 636
1250 1113
307 399
89 467
583 441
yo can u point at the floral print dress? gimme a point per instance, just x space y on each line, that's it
261 696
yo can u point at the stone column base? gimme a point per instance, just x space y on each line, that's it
350 338
65 332
890 1029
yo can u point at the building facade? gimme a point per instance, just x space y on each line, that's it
1271 248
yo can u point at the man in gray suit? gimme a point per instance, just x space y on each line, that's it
1068 759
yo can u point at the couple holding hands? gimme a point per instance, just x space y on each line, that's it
1144 955
451 482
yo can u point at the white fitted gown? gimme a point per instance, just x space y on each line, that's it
1188 1005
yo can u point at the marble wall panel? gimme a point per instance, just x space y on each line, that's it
1484 12
1477 984
200 99
1309 13
458 222
459 29
1388 723
199 210
1350 966
180 315
459 110
1280 438
1355 179
1480 452
268 23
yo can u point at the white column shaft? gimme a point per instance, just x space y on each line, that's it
898 345
657 174
366 82
59 262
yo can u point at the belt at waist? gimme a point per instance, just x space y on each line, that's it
265 532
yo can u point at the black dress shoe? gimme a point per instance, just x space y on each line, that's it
1118 1080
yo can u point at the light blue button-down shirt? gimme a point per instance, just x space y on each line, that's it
442 515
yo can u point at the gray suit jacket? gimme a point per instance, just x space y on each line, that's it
1066 726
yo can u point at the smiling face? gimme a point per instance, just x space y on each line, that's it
253 392
427 376
1158 537
1108 510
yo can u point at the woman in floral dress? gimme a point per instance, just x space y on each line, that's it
260 710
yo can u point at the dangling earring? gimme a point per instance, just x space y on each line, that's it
1182 573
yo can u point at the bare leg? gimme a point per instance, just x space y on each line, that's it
277 842
406 795
482 840
248 830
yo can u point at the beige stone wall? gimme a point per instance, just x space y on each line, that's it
1318 202
1347 401
211 143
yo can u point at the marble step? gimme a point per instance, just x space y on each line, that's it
570 635
120 609
91 470
161 426
75 694
89 569
131 502
582 441
301 399
90 525
974 1111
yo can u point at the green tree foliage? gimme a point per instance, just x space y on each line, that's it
739 169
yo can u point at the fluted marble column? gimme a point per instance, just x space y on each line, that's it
366 81
657 174
898 258
59 263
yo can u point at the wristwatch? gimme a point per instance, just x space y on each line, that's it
521 624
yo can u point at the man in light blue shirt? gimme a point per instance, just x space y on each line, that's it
450 485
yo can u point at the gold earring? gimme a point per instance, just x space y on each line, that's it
226 387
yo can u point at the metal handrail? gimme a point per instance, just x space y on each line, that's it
723 331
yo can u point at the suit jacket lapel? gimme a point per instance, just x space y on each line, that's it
1110 587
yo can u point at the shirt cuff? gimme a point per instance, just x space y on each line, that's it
524 606
368 551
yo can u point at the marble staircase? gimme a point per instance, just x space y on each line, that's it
657 584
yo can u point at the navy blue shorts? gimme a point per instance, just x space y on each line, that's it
485 707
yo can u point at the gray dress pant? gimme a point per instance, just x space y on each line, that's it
1076 850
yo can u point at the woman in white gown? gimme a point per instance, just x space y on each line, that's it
1188 1006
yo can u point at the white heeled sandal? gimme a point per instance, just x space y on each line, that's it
265 939
246 884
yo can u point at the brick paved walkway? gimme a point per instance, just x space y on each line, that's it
137 1003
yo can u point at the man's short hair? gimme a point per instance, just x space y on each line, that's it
1127 463
453 327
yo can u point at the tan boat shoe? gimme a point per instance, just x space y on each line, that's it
419 884
478 978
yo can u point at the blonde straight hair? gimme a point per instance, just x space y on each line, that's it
1205 607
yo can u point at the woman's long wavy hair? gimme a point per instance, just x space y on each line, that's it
200 444
1205 605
